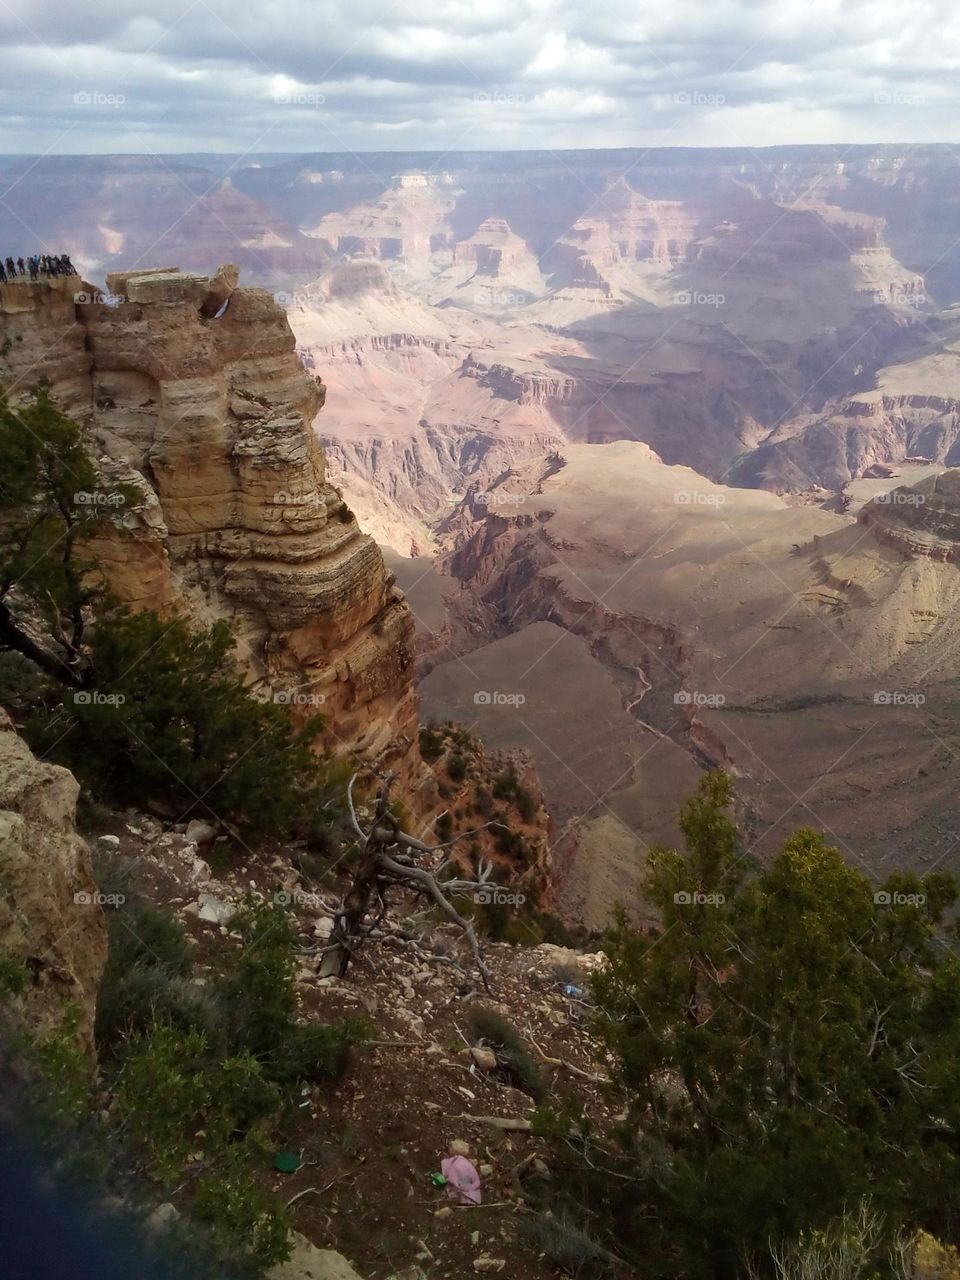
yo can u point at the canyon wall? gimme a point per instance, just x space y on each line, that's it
207 412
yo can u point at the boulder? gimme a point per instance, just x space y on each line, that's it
50 920
167 286
200 831
307 1262
483 1059
117 280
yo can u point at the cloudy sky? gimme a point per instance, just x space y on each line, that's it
332 75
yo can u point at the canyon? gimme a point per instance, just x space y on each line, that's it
655 446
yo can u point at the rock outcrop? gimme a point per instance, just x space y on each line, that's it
50 920
193 394
919 520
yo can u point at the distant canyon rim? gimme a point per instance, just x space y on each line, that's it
658 445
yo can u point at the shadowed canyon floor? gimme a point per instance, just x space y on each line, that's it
649 623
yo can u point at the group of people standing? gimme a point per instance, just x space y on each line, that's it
40 264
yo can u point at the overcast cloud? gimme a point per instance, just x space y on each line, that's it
298 75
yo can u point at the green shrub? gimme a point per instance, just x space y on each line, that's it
457 767
515 1063
318 1052
261 1004
14 976
146 978
236 1209
568 1245
169 1089
63 1073
259 995
115 873
181 729
431 743
505 784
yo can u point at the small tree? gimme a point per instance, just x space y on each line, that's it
51 498
789 1043
168 719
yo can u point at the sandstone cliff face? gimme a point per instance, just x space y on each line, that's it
49 919
210 419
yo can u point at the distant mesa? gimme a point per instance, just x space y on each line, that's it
355 278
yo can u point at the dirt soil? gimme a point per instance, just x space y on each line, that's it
369 1143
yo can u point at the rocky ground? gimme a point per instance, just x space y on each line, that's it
423 1088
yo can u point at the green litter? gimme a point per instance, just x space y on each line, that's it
437 1179
286 1161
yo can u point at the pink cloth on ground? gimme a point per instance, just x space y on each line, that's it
463 1181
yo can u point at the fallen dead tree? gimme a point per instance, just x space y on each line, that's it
392 858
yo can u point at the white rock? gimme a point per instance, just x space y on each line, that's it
197 870
215 910
459 1148
484 1059
485 1265
324 927
201 831
307 1262
112 842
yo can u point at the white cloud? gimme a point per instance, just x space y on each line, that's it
209 76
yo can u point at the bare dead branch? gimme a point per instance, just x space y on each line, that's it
391 856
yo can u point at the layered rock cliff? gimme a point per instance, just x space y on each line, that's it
207 412
919 520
